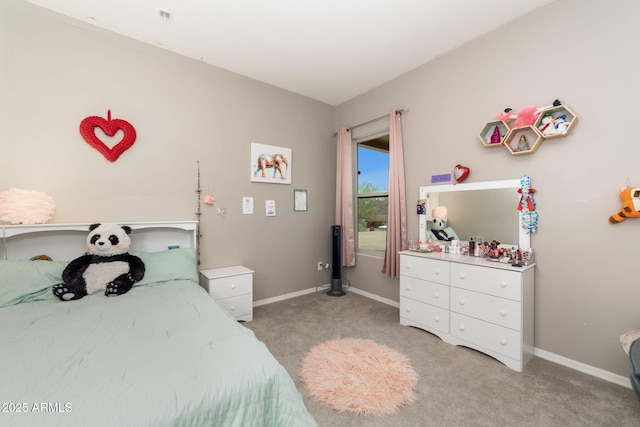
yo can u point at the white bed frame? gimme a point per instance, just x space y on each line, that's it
65 242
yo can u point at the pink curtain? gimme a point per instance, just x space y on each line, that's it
344 197
397 214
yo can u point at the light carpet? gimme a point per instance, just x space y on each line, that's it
358 376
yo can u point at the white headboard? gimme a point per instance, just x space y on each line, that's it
64 242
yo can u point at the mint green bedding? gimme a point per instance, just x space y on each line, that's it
163 354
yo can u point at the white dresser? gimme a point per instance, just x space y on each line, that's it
469 301
231 288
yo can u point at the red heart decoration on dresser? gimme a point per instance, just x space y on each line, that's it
460 173
109 127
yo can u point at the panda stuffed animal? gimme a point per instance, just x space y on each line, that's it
107 266
437 227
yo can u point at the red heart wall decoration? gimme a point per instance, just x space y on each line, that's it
109 127
460 173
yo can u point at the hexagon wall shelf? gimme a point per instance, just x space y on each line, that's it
552 122
523 140
556 122
493 133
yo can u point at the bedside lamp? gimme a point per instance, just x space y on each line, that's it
25 207
439 212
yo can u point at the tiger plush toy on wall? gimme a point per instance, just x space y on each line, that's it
630 205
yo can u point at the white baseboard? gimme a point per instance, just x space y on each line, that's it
582 367
375 297
312 290
543 354
283 297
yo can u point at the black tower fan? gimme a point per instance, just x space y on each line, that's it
336 272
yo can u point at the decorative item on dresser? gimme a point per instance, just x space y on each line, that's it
232 289
472 302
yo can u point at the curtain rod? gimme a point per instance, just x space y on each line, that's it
399 110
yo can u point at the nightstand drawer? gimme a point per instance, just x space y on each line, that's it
237 306
232 286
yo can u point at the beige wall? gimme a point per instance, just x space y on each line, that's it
56 71
585 53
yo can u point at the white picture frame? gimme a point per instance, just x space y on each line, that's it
300 201
270 164
270 207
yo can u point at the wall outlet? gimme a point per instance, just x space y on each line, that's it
319 265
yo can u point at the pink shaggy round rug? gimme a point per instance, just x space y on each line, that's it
358 376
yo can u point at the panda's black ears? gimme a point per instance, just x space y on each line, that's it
126 228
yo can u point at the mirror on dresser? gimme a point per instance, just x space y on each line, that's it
487 209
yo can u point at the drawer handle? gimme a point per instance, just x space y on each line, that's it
436 271
436 295
233 308
408 288
437 319
233 286
503 341
462 276
462 302
461 327
408 267
503 312
408 309
503 284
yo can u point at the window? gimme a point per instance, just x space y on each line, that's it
373 194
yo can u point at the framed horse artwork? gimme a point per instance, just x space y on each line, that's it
270 164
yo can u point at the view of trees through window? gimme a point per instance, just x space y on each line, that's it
373 200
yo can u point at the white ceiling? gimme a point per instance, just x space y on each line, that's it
329 50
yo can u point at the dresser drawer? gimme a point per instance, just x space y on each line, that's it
231 286
423 291
423 268
238 306
424 314
501 311
492 281
487 335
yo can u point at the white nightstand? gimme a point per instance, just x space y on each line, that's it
231 288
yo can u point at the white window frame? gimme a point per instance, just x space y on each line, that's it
356 142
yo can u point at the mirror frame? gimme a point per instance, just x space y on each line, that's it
524 238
